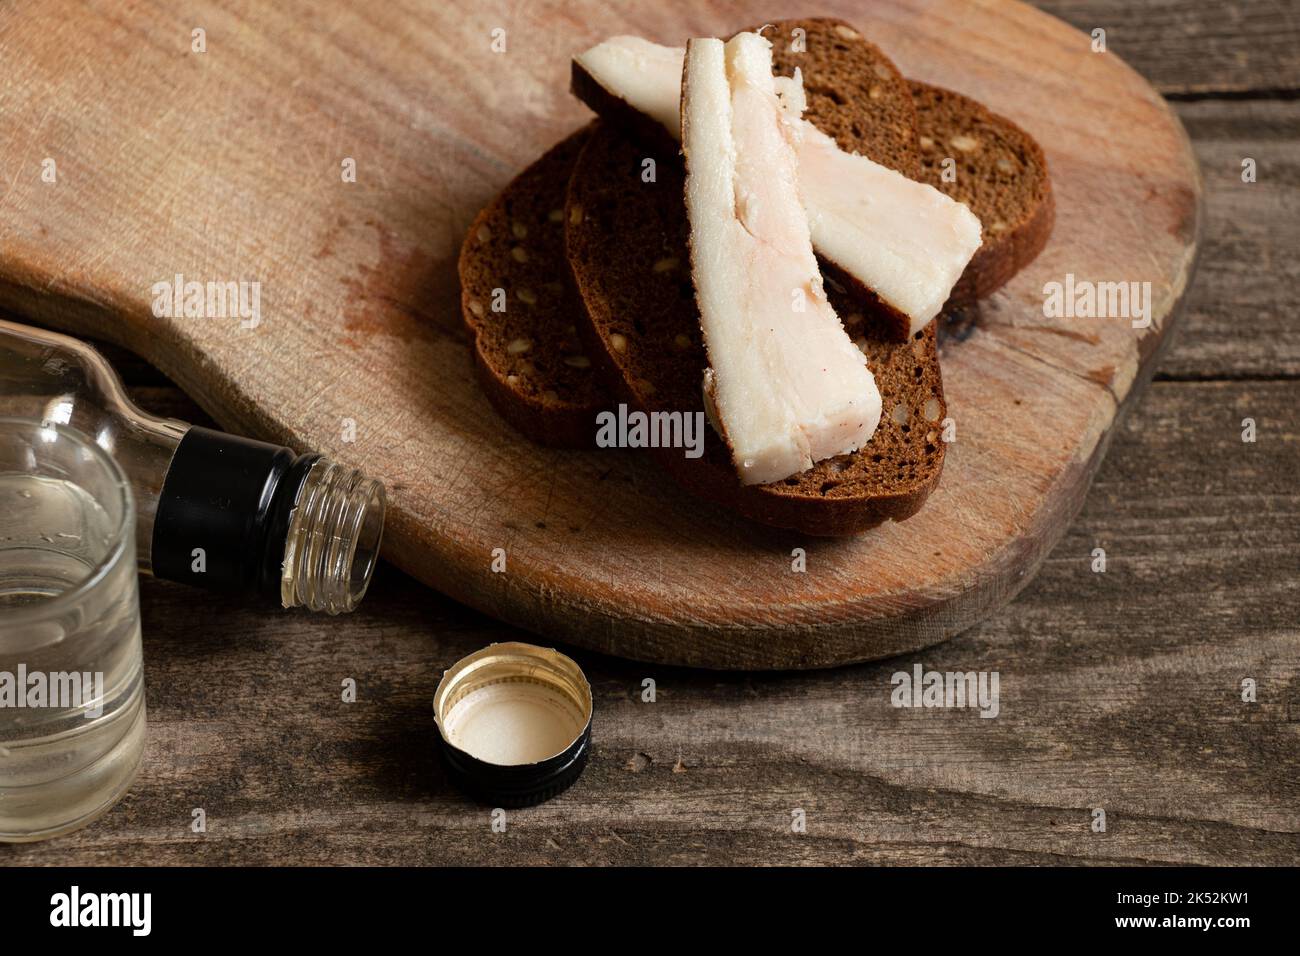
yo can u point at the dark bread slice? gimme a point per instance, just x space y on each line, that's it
1001 175
858 97
548 391
627 243
855 94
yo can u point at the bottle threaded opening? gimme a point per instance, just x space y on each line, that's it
332 545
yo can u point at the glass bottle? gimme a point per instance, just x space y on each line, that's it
212 509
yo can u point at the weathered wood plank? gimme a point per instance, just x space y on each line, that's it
1118 690
1186 46
1241 315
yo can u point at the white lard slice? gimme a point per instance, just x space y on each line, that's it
788 385
904 240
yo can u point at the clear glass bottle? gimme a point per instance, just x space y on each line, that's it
212 509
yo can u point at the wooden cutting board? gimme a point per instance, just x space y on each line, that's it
227 165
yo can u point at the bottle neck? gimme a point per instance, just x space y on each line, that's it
242 515
332 542
50 377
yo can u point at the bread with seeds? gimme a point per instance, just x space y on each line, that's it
521 312
627 244
1001 174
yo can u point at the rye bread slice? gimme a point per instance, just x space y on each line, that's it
854 93
1001 175
859 98
529 358
627 243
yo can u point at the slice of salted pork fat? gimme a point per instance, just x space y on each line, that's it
905 241
787 385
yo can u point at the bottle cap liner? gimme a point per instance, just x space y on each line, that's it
514 723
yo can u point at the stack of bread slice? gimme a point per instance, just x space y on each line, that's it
578 291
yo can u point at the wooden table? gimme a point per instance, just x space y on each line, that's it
1120 690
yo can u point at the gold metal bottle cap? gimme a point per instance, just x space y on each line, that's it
514 722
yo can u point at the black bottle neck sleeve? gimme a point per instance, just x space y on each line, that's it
223 514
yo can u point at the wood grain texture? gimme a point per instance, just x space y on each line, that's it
1191 48
1119 691
226 165
1126 682
1242 323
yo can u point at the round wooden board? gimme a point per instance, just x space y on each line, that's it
225 165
